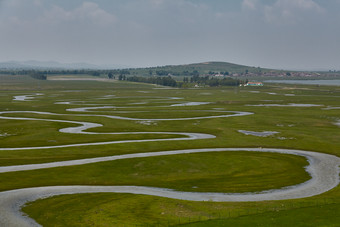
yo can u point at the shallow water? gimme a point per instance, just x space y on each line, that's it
261 134
288 105
191 104
308 82
25 97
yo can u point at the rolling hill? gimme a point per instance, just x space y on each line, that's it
203 68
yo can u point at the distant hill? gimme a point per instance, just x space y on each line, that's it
225 66
204 68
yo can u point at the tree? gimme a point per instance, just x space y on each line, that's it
195 73
38 75
110 75
95 73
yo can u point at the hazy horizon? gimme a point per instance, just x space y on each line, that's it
278 34
89 65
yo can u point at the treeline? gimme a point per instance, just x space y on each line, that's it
212 81
195 80
111 73
38 76
174 73
52 72
160 72
165 81
119 71
226 73
185 73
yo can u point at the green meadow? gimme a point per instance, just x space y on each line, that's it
305 128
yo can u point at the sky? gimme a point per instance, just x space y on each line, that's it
280 34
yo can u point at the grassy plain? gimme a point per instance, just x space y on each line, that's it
308 128
218 172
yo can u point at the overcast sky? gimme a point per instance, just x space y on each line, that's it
282 34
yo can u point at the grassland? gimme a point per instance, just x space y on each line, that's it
136 210
219 172
306 128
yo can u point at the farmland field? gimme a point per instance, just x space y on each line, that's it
60 121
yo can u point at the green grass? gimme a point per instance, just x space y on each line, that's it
207 172
316 215
309 128
104 209
37 133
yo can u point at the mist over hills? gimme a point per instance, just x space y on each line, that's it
32 64
203 67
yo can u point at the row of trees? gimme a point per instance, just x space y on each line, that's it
50 72
169 81
212 82
38 75
164 80
174 73
226 73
